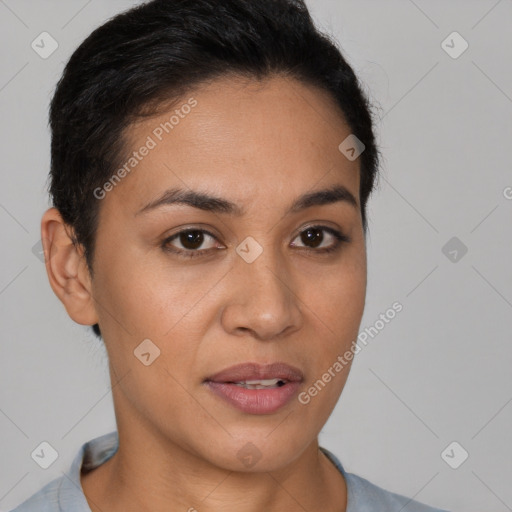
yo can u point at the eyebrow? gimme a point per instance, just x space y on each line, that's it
210 203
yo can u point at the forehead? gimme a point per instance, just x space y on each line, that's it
240 138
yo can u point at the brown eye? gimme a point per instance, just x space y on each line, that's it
190 243
312 237
191 239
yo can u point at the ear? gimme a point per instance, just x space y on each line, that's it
67 269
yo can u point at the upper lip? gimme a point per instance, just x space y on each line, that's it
254 371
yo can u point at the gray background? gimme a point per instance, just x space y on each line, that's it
437 373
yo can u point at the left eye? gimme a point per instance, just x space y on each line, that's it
313 238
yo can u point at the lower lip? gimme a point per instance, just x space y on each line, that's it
255 401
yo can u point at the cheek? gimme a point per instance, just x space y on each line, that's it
336 318
335 303
141 295
336 296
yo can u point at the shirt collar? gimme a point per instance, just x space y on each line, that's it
91 455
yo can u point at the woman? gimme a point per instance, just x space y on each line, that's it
211 166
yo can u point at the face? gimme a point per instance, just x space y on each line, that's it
247 299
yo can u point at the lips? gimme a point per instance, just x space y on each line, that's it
256 389
256 372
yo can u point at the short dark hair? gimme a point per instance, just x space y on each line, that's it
155 53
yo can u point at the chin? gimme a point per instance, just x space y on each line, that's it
260 452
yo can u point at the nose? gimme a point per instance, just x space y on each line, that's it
263 301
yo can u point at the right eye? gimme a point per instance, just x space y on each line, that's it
190 241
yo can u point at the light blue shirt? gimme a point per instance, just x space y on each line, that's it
65 494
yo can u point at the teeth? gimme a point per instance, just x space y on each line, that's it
266 382
260 384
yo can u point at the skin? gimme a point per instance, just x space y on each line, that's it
260 145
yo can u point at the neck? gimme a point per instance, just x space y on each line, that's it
149 474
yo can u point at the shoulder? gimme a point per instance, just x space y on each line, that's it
45 500
368 497
60 495
363 496
65 494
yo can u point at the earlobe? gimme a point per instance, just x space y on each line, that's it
67 269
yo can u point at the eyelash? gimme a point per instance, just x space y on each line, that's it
340 239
